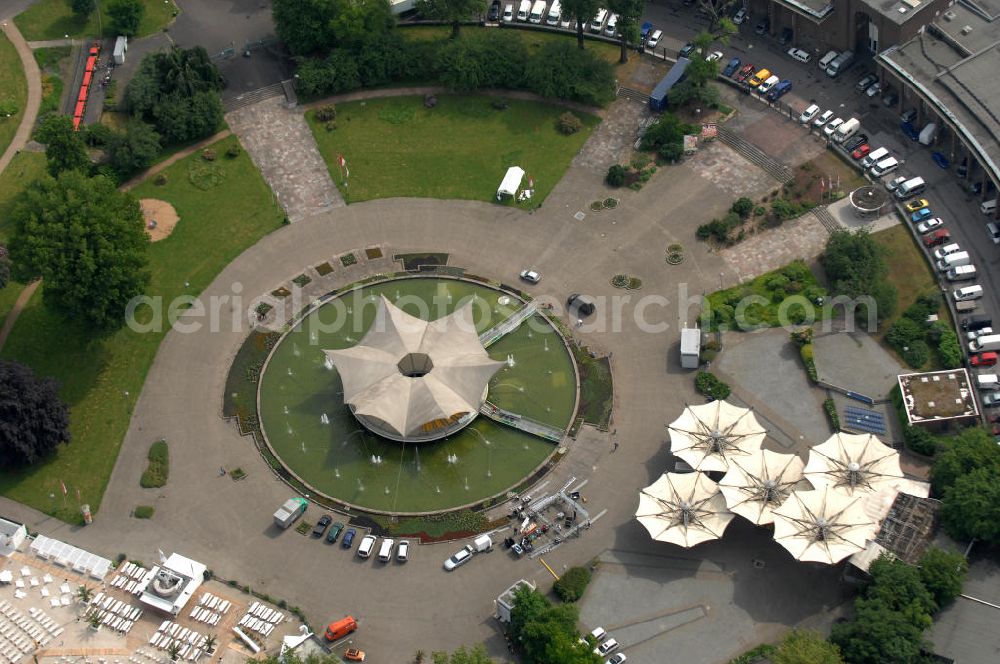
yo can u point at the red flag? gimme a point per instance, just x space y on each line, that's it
341 161
822 185
63 485
531 182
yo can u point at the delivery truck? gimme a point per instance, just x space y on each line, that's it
961 273
290 511
988 342
658 100
840 64
954 260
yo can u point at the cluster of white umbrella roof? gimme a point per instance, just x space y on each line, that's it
817 508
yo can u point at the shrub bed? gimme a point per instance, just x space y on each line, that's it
143 511
707 384
830 407
158 469
571 585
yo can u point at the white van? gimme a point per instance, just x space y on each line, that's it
554 11
598 22
911 187
988 381
947 249
825 61
537 11
874 157
768 84
523 10
961 273
508 13
612 25
884 167
366 546
385 551
846 130
988 207
968 293
654 39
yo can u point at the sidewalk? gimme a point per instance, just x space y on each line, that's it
34 77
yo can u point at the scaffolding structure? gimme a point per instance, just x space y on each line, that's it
908 528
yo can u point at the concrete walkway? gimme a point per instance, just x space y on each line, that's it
34 77
282 146
15 311
50 43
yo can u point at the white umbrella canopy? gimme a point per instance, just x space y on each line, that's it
853 462
709 436
684 509
824 525
754 486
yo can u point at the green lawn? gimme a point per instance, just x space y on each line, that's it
13 89
52 63
533 39
23 169
459 149
8 295
101 379
54 19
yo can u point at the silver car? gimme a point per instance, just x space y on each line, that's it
531 276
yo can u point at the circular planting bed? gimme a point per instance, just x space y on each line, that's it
318 439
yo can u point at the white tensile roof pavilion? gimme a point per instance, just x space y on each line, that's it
411 379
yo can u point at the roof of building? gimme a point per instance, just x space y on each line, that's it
410 373
187 574
953 64
906 528
812 9
898 11
938 395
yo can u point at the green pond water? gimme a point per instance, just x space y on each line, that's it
314 433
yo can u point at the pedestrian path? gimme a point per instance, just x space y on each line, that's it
526 424
282 146
495 333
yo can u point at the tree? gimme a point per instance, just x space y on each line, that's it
877 634
898 586
87 241
856 267
718 16
305 26
803 646
64 147
971 506
546 634
126 16
969 449
209 645
33 419
82 8
4 268
462 656
571 585
943 573
561 71
582 11
135 149
450 11
629 12
83 593
356 22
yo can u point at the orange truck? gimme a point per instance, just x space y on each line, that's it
340 628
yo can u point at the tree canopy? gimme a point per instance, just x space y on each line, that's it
33 419
134 149
82 8
967 450
463 656
309 27
803 646
629 12
971 506
177 91
546 634
582 11
86 239
878 634
856 267
4 268
943 573
450 11
126 16
64 147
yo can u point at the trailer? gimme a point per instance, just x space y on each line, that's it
658 100
288 513
121 45
690 347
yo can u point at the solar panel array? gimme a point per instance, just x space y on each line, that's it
862 419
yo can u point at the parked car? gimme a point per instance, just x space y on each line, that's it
348 538
763 26
873 89
991 399
686 50
461 557
855 142
354 655
494 12
335 531
940 160
608 646
731 68
654 39
367 546
740 16
910 131
861 151
939 236
644 31
994 232
918 204
618 658
921 214
759 77
714 56
799 54
832 125
983 359
893 184
809 114
531 276
890 99
908 115
972 335
863 84
785 37
746 72
780 90
929 225
598 633
321 525
823 119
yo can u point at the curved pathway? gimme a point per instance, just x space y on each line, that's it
34 77
15 311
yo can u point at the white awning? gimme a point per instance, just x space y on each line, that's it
511 182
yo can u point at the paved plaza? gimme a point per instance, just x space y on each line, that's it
405 607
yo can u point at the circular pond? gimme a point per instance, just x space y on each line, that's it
311 430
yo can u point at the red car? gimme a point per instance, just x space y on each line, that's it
940 236
862 150
983 360
746 72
